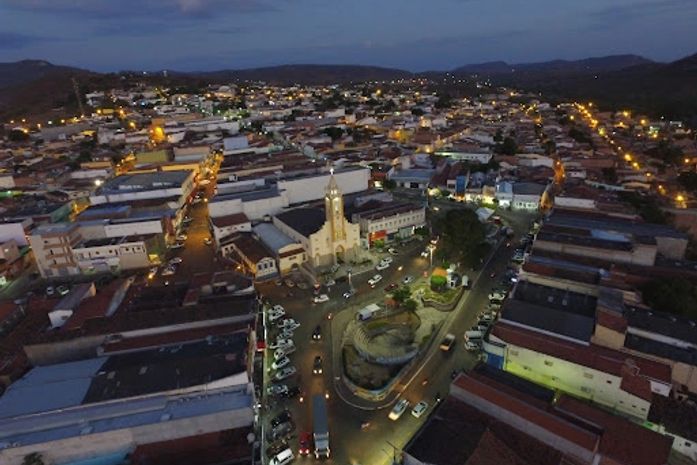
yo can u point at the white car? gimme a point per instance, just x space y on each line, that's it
349 294
276 389
169 271
408 280
281 343
425 254
280 363
286 372
286 333
290 323
274 316
387 260
278 308
392 251
320 298
374 280
182 237
398 409
419 409
175 260
330 282
382 266
283 352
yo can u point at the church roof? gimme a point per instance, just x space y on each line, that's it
306 221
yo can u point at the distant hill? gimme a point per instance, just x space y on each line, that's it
21 72
555 67
307 74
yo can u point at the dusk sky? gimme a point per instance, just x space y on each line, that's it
110 35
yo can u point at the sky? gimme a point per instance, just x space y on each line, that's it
417 35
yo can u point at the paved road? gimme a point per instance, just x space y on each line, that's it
373 446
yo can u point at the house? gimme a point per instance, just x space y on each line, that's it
252 254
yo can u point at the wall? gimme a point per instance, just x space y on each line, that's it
640 255
13 231
303 190
580 381
133 228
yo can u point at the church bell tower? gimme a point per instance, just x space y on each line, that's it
334 208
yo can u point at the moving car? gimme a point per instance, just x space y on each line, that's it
398 409
304 442
285 373
208 241
382 266
320 298
317 333
317 366
419 409
391 287
374 280
447 342
350 293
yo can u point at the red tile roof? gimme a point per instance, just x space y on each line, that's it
592 356
612 321
623 441
527 408
229 220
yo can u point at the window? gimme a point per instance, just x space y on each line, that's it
608 381
548 363
588 375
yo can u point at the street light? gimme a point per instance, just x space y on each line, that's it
349 279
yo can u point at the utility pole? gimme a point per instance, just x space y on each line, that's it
77 96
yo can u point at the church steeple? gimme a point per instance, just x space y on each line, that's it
334 209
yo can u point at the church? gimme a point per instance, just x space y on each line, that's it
326 235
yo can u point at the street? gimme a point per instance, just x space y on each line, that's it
375 445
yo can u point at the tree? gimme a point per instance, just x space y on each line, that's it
498 137
688 180
416 111
34 458
672 295
401 294
334 132
438 282
610 174
17 135
463 236
507 147
667 153
410 305
444 101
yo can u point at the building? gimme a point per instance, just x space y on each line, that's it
52 246
251 253
388 221
610 378
177 185
326 235
491 417
289 253
225 226
114 254
103 409
411 178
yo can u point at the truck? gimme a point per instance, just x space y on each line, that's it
320 426
367 312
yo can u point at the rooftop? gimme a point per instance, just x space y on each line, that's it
272 237
305 221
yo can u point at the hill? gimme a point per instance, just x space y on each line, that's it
307 74
22 72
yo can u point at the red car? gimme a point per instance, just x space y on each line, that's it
391 287
305 440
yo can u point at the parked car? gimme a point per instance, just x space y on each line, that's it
50 290
182 237
286 333
63 290
350 293
398 409
175 260
317 333
382 266
291 393
283 417
276 448
152 273
329 282
282 430
392 251
289 282
277 389
208 241
283 458
281 343
419 409
387 260
374 280
289 323
280 363
317 366
275 315
447 343
285 373
169 271
176 245
408 280
283 352
187 219
320 298
425 254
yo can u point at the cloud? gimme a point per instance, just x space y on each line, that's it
15 40
615 15
170 9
